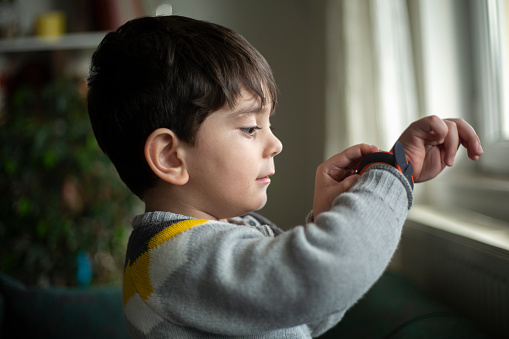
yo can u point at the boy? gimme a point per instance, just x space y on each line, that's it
182 107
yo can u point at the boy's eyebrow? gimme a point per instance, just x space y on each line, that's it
255 107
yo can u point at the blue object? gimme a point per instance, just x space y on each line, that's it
84 269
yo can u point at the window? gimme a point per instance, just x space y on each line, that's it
394 60
491 49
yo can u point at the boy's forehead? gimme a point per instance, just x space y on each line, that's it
247 106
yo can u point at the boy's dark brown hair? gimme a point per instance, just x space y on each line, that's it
171 72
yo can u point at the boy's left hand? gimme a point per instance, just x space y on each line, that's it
431 144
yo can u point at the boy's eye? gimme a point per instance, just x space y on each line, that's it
250 130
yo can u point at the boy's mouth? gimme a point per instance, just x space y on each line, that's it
265 179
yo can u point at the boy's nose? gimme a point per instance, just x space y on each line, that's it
275 146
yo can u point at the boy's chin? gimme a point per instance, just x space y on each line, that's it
261 204
252 208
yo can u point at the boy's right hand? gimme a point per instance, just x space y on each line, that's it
337 175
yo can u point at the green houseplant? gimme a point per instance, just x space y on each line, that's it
62 205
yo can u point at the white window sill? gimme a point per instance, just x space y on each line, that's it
467 224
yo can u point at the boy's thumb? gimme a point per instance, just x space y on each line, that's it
348 182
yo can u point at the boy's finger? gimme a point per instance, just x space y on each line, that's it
348 182
437 128
451 143
352 155
468 138
430 128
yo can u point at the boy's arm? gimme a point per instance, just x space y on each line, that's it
430 145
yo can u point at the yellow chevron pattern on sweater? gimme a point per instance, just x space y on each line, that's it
136 274
173 230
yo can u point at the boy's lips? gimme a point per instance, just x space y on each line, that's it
265 179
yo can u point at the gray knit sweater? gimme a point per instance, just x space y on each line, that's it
192 278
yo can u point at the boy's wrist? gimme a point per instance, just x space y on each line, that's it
396 158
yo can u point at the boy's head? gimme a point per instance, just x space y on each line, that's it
167 72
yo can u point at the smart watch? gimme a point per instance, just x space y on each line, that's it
396 158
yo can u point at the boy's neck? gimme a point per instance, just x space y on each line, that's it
168 199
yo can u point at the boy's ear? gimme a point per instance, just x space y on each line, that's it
164 154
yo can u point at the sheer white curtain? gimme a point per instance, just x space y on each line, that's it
371 91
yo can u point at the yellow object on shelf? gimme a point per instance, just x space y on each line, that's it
50 24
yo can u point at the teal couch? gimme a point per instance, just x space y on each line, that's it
27 312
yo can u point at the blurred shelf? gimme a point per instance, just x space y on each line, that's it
87 40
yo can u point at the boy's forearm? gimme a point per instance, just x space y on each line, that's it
364 226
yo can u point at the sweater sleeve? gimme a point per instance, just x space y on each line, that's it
236 282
